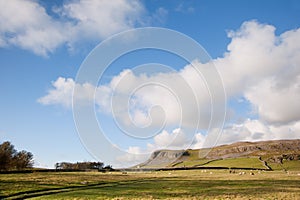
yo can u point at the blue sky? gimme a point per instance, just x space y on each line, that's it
254 44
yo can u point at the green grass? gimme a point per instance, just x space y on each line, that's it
193 154
168 188
11 184
192 184
193 159
252 162
191 163
292 165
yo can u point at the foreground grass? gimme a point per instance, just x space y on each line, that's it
192 184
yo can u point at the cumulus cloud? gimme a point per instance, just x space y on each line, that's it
99 19
160 100
256 130
177 139
32 28
275 104
62 93
259 66
29 27
133 156
163 97
264 68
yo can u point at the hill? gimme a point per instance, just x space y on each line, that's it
265 155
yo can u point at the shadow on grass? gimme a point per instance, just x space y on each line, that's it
166 187
189 188
56 190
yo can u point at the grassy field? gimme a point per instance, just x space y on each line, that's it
238 163
241 162
292 165
251 162
192 184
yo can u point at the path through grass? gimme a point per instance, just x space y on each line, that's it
192 184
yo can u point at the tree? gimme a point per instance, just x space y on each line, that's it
11 159
7 152
79 165
23 159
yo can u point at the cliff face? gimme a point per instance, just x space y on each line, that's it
273 151
162 158
169 154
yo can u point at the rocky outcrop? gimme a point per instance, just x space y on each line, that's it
162 158
279 158
270 151
241 149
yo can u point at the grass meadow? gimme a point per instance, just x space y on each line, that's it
189 184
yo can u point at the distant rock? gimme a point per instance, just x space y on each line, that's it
240 149
275 151
162 158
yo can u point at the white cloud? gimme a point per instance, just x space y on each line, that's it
276 105
99 19
134 156
62 93
175 140
183 7
26 24
175 98
259 66
179 139
255 130
264 68
286 131
248 59
199 141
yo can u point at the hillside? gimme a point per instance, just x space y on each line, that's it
271 155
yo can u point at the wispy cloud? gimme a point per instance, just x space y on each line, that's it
185 7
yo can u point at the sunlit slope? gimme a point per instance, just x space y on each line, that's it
275 155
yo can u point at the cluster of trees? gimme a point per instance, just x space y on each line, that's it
79 165
11 159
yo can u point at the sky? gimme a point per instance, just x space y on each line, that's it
253 48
